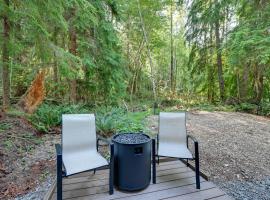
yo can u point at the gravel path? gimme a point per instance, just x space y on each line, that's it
234 151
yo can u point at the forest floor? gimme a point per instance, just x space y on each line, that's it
24 156
234 148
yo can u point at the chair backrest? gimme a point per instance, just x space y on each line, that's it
78 133
172 127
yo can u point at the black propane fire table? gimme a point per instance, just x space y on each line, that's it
132 161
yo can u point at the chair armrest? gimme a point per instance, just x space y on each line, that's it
192 138
196 144
156 139
99 138
58 149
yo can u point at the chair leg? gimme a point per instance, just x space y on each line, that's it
111 170
158 160
187 163
94 171
59 176
197 166
154 161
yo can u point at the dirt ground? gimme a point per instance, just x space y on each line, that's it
25 157
234 147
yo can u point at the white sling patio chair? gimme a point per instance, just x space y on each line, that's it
79 150
172 140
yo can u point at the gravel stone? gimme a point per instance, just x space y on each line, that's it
248 190
234 150
131 138
39 192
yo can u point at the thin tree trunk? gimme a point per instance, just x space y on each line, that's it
219 62
148 52
244 83
175 70
210 69
55 65
5 58
171 46
73 50
258 84
135 63
238 86
128 43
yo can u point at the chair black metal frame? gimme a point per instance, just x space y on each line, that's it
61 172
194 157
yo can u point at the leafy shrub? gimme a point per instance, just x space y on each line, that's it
106 120
117 120
247 107
171 102
264 109
133 122
109 120
48 116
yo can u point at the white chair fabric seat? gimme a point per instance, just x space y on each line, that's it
173 135
79 143
172 140
82 161
174 150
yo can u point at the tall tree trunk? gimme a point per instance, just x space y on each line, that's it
219 62
171 46
210 69
258 84
5 58
148 52
128 43
73 50
243 83
55 64
175 71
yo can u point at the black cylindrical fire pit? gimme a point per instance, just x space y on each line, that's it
132 161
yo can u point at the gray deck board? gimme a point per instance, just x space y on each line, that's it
174 181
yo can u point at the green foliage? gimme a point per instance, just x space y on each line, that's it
261 109
244 42
109 120
110 61
117 120
211 107
264 109
48 116
247 107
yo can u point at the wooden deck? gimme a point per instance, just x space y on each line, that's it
174 181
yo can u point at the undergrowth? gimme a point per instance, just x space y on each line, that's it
48 116
130 118
109 120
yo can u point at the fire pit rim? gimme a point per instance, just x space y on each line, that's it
116 135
